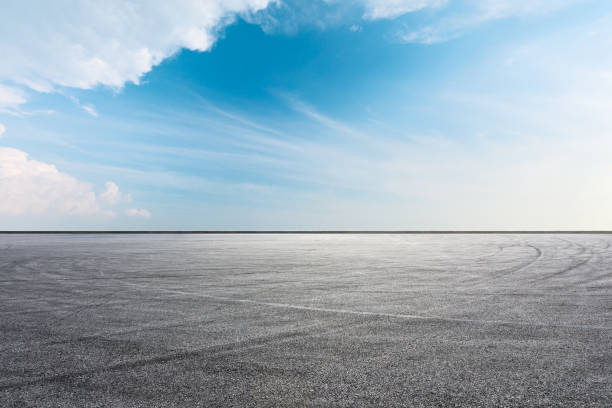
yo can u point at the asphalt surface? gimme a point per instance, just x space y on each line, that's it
306 320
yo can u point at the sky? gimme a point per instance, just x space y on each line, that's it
298 115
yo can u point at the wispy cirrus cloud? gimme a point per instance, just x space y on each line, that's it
375 9
89 108
138 212
441 20
467 15
11 98
292 15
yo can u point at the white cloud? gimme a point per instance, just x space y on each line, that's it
112 195
290 16
30 187
2 129
91 110
86 107
11 98
33 187
504 8
444 19
394 8
473 13
138 212
83 44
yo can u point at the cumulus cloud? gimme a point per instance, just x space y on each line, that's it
112 195
2 129
83 44
138 212
33 187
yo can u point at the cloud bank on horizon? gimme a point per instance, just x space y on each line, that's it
31 187
472 134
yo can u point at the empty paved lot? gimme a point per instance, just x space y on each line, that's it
316 320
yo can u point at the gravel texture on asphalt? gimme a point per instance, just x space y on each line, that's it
474 320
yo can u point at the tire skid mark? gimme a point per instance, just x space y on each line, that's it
539 253
144 328
606 275
500 248
378 314
106 300
96 278
135 277
601 271
571 267
102 334
216 351
456 306
565 270
463 294
605 244
67 308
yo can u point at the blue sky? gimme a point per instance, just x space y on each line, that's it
250 114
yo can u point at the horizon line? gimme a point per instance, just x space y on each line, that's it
306 232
